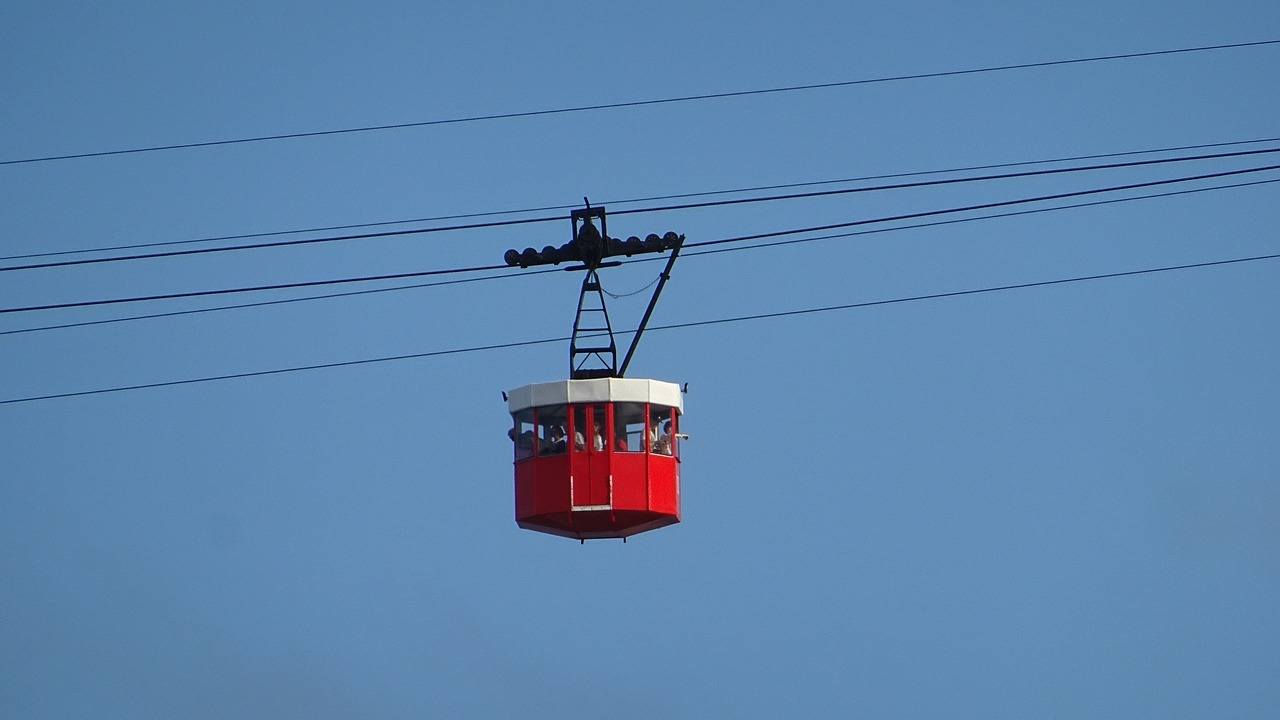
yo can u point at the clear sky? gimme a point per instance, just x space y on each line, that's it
1055 502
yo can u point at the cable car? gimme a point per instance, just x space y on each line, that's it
597 458
597 455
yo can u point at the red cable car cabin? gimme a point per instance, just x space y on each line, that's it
596 458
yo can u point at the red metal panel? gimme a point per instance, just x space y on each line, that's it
630 485
551 483
524 489
663 493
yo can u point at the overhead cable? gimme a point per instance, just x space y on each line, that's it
286 301
632 211
638 103
740 238
947 181
256 288
672 326
974 218
287 243
651 198
694 253
980 206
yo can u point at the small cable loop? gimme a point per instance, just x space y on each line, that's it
634 292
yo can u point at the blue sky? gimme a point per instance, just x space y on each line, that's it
1053 502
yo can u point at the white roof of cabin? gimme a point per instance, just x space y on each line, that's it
596 390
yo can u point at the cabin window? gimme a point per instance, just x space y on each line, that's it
599 427
579 430
628 424
662 430
551 429
590 427
523 435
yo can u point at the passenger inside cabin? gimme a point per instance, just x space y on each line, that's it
663 444
555 443
523 442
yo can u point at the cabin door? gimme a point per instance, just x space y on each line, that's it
592 482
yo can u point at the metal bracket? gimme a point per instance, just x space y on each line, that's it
596 359
590 241
590 246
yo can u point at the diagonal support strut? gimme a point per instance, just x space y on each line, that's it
653 302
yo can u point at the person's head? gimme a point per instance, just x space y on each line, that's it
666 426
557 432
511 433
